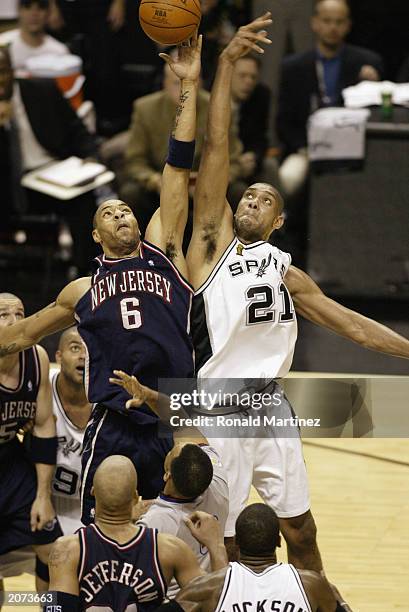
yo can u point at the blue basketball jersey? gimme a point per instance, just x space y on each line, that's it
17 406
135 318
120 577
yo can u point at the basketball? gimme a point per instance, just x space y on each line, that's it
169 22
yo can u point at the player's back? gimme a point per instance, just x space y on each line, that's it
277 588
135 318
120 577
243 318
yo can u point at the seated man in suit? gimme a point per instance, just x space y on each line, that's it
315 79
152 121
37 125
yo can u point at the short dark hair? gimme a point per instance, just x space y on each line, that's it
257 530
191 471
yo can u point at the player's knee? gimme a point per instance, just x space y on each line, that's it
300 532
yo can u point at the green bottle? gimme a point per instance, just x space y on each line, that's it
387 105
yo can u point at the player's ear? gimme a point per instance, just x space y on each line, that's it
58 356
166 476
96 236
92 491
278 222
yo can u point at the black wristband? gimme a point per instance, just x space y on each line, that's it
180 153
44 450
63 602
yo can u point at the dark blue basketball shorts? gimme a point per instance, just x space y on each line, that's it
18 486
113 433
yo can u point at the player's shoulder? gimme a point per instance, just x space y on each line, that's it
202 588
74 291
44 361
162 516
65 550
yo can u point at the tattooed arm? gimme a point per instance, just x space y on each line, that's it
167 226
53 318
63 565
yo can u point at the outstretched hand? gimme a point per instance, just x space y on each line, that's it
187 64
132 385
248 38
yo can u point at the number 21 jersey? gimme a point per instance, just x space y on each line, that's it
243 319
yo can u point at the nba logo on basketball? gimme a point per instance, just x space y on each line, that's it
169 22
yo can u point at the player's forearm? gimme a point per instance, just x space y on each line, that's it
219 116
218 555
13 338
44 477
184 127
378 337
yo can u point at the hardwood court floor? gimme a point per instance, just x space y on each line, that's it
361 506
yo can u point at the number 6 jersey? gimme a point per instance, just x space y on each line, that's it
135 318
243 319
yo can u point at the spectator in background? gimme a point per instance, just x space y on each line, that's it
316 79
290 32
252 101
30 38
99 24
37 126
147 147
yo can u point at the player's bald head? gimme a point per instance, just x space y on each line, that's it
10 298
69 334
115 484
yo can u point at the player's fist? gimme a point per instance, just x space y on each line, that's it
205 528
42 512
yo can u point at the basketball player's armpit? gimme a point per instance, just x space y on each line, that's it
171 251
209 234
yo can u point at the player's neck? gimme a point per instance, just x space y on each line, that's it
170 491
70 393
258 564
122 252
32 39
9 366
119 528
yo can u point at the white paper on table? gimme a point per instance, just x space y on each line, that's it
71 172
337 133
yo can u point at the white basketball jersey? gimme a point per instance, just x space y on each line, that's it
168 515
67 477
277 588
244 323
